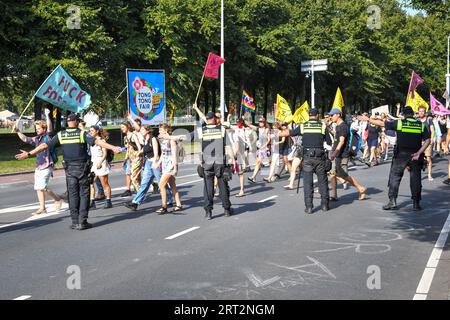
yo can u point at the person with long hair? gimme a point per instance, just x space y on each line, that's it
169 163
263 145
126 130
151 168
372 142
134 155
100 166
276 141
44 163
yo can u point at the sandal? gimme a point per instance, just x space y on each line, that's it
288 188
240 195
161 210
251 180
178 208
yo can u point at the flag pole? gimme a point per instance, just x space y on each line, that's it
28 105
121 92
198 92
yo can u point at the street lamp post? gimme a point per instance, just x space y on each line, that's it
447 103
222 66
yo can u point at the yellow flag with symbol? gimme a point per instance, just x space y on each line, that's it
301 115
338 100
416 102
284 113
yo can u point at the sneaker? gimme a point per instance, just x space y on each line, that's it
39 211
447 182
74 226
127 193
229 212
132 206
92 206
84 226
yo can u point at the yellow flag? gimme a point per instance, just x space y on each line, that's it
55 111
338 100
416 102
301 115
284 113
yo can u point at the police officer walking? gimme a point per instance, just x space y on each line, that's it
413 138
77 164
213 163
314 158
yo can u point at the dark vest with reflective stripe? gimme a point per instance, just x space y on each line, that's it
409 134
73 145
213 144
313 134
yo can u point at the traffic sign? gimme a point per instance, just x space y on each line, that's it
315 62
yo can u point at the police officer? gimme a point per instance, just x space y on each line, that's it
213 163
314 158
413 138
74 144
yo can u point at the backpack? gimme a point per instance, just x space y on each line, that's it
354 143
109 156
54 152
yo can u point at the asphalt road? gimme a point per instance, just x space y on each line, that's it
269 249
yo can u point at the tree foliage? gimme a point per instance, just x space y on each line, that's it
265 42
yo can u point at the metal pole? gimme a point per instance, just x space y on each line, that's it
222 66
313 91
447 103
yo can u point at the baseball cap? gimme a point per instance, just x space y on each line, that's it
334 111
72 117
313 112
210 115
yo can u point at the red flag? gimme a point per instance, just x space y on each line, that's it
437 107
212 66
416 81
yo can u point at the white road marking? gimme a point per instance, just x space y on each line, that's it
176 235
428 274
22 298
267 199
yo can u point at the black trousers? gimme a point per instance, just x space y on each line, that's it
77 181
317 166
208 188
399 164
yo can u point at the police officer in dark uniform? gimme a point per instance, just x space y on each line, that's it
314 158
413 138
77 164
214 163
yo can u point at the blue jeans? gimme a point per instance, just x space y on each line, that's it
148 174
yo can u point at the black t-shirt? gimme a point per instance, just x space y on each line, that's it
443 127
374 132
342 130
408 141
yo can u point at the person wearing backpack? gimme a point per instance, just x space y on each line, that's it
45 162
